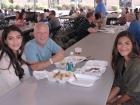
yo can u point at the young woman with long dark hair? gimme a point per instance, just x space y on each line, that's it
12 67
126 66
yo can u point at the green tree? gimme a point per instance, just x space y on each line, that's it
11 1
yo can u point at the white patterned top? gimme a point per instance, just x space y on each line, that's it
8 78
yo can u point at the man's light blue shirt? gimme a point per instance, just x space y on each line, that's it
36 53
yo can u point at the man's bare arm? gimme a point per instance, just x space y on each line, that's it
44 64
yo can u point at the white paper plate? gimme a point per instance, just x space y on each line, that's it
84 80
86 76
96 63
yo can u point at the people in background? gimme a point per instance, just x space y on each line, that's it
126 66
129 19
13 69
136 13
23 12
1 15
42 51
5 12
54 22
131 11
82 12
85 27
29 10
11 12
126 10
41 18
19 19
139 16
72 11
100 8
122 18
98 20
134 29
46 13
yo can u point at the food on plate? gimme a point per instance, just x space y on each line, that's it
63 62
61 75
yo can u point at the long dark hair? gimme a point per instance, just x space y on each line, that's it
15 59
117 59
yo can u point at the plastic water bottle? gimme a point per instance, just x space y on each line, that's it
70 64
